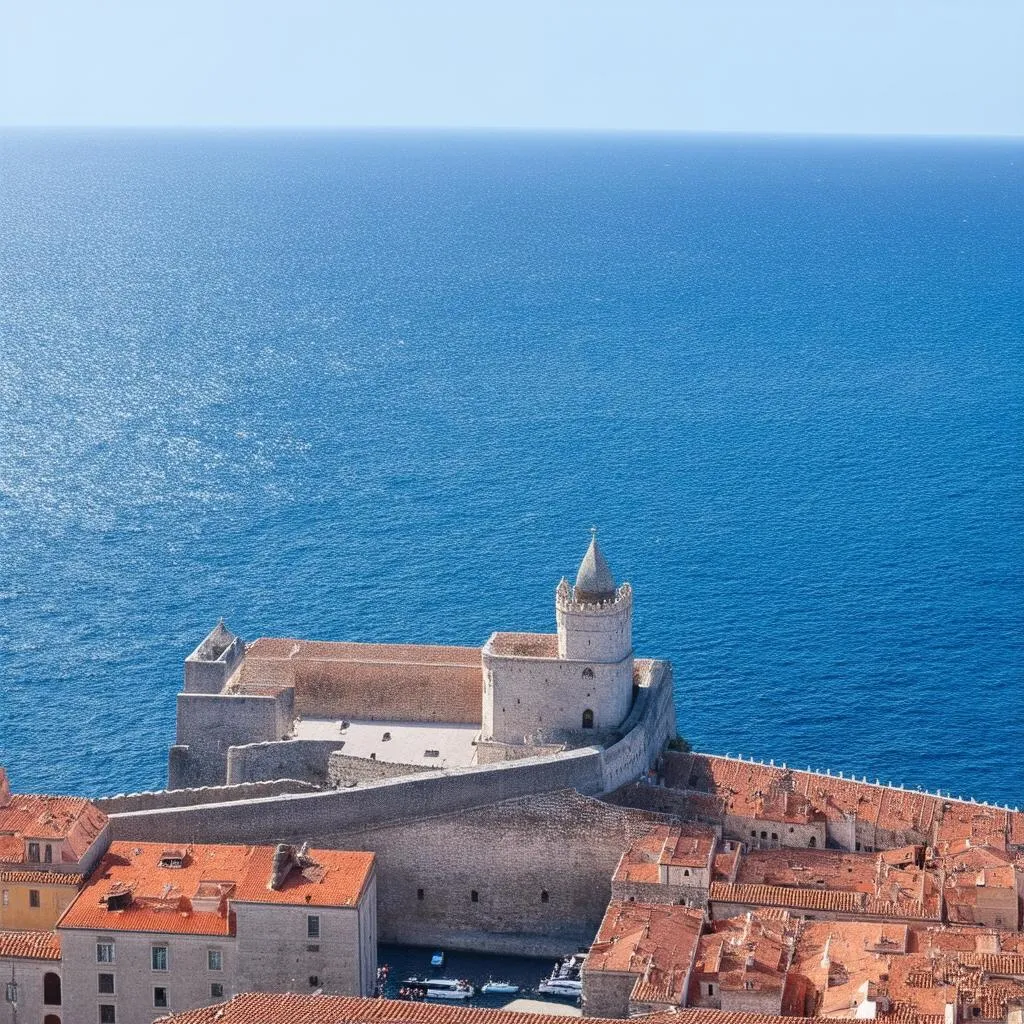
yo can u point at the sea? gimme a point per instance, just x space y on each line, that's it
379 386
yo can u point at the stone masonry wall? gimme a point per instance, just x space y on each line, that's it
540 867
306 815
283 759
534 699
124 802
647 892
344 771
208 724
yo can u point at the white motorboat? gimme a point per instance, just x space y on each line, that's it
565 979
561 987
442 988
499 987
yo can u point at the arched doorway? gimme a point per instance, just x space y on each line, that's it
51 989
588 719
51 1018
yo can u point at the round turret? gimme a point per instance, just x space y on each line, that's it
594 581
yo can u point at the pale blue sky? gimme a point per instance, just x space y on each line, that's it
876 66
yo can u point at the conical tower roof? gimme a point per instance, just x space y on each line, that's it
594 581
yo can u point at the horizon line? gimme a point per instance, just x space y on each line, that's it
228 128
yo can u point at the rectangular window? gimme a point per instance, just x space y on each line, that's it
107 1014
33 852
160 996
214 960
48 854
313 926
33 897
419 894
105 985
104 952
6 899
159 954
216 990
474 896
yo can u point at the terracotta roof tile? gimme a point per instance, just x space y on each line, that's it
670 845
73 821
195 898
524 645
41 878
290 1008
656 942
29 945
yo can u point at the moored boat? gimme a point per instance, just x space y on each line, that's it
496 987
565 979
442 988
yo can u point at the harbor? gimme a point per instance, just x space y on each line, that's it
405 963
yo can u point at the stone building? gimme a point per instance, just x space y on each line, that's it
742 964
641 960
162 928
30 977
282 708
47 845
669 864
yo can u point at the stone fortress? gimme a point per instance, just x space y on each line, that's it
342 713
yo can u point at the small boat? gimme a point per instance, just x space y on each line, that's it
561 987
496 987
437 960
565 979
442 988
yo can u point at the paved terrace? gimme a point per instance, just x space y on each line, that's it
433 745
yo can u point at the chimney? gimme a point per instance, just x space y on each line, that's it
281 866
5 789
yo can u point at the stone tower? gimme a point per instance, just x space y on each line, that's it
577 684
594 618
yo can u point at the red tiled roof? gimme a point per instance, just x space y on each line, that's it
325 650
41 878
30 945
656 942
672 845
290 1008
73 821
524 645
194 898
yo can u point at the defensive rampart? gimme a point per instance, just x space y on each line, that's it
166 798
287 759
525 836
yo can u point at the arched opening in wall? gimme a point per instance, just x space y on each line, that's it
51 989
588 673
51 1018
813 841
588 719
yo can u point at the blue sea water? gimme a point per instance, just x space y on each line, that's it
378 387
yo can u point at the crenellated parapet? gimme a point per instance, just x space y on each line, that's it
565 600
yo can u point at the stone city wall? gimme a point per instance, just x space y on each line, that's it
208 724
281 759
530 875
344 771
296 817
591 770
124 802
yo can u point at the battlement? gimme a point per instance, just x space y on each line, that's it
566 601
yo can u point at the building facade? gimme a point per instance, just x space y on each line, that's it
161 929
